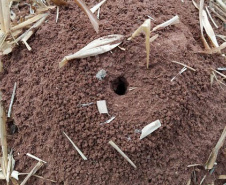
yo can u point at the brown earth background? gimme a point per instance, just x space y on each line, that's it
192 112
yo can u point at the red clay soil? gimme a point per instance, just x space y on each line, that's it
192 112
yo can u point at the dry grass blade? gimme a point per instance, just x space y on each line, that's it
96 47
36 158
39 177
206 45
25 36
184 65
153 38
5 16
145 27
43 9
91 16
9 167
209 30
174 20
1 66
12 98
213 156
211 18
3 137
97 6
222 177
32 172
76 148
28 22
221 74
222 4
122 153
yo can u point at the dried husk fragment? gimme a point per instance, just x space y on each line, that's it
96 47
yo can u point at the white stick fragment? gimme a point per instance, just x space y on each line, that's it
102 107
76 148
57 13
96 47
97 6
109 121
148 129
181 71
122 153
174 20
211 18
11 102
36 158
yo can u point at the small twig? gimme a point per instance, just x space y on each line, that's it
184 65
36 158
79 151
11 102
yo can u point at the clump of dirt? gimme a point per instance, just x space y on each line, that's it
192 112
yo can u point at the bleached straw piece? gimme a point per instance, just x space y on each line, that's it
11 102
36 158
184 65
97 6
96 47
28 22
148 129
213 156
211 18
122 153
57 13
102 107
9 167
181 71
32 172
153 38
76 148
145 27
172 21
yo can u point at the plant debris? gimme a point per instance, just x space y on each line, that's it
96 47
91 16
148 129
11 102
76 148
102 107
97 6
213 156
109 121
32 172
145 27
36 158
172 21
122 153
